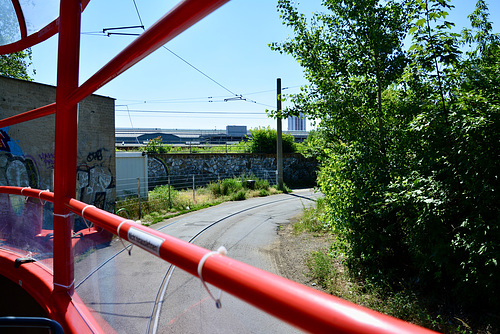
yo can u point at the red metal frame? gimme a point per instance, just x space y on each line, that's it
65 142
296 304
20 18
301 306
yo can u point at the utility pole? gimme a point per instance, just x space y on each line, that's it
279 138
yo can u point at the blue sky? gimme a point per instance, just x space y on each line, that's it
230 46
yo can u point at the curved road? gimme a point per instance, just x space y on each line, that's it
140 293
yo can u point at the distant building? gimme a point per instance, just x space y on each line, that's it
236 130
138 137
297 123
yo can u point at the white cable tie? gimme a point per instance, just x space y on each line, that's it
222 251
121 240
64 216
65 286
40 193
83 215
25 197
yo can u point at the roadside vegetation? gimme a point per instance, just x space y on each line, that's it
408 133
328 269
163 204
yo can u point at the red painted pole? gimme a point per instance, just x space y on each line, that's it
66 143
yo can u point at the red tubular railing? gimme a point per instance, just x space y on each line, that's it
296 304
299 305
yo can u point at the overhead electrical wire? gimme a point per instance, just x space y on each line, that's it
138 15
200 71
202 115
235 97
184 60
191 112
205 99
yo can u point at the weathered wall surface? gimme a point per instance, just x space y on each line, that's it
297 170
27 149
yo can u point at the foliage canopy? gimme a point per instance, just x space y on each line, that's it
408 138
15 65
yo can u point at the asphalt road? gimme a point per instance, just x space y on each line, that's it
143 294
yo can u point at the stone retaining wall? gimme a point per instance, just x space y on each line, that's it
297 170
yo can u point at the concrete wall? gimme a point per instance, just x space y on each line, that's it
297 170
27 149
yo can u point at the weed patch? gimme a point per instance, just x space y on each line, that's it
163 203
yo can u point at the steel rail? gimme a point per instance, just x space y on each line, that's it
168 274
299 305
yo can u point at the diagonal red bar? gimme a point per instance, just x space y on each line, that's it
184 15
29 115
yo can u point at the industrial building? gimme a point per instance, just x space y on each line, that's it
129 137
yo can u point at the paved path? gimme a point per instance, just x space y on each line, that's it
125 290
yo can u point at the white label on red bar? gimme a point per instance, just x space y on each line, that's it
146 241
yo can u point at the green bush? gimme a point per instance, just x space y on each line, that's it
264 192
240 195
264 141
229 187
262 184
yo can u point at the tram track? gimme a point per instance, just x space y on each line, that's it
153 319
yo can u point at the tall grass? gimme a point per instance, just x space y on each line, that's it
326 267
162 204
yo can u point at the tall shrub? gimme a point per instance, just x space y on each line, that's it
410 139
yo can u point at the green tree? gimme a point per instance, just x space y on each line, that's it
447 196
352 54
410 138
156 145
16 65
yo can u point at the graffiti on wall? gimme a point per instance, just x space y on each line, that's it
95 181
94 156
19 171
48 159
7 144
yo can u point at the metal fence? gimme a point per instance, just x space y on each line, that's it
130 187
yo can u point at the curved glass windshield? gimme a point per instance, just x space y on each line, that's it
39 13
9 26
35 13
